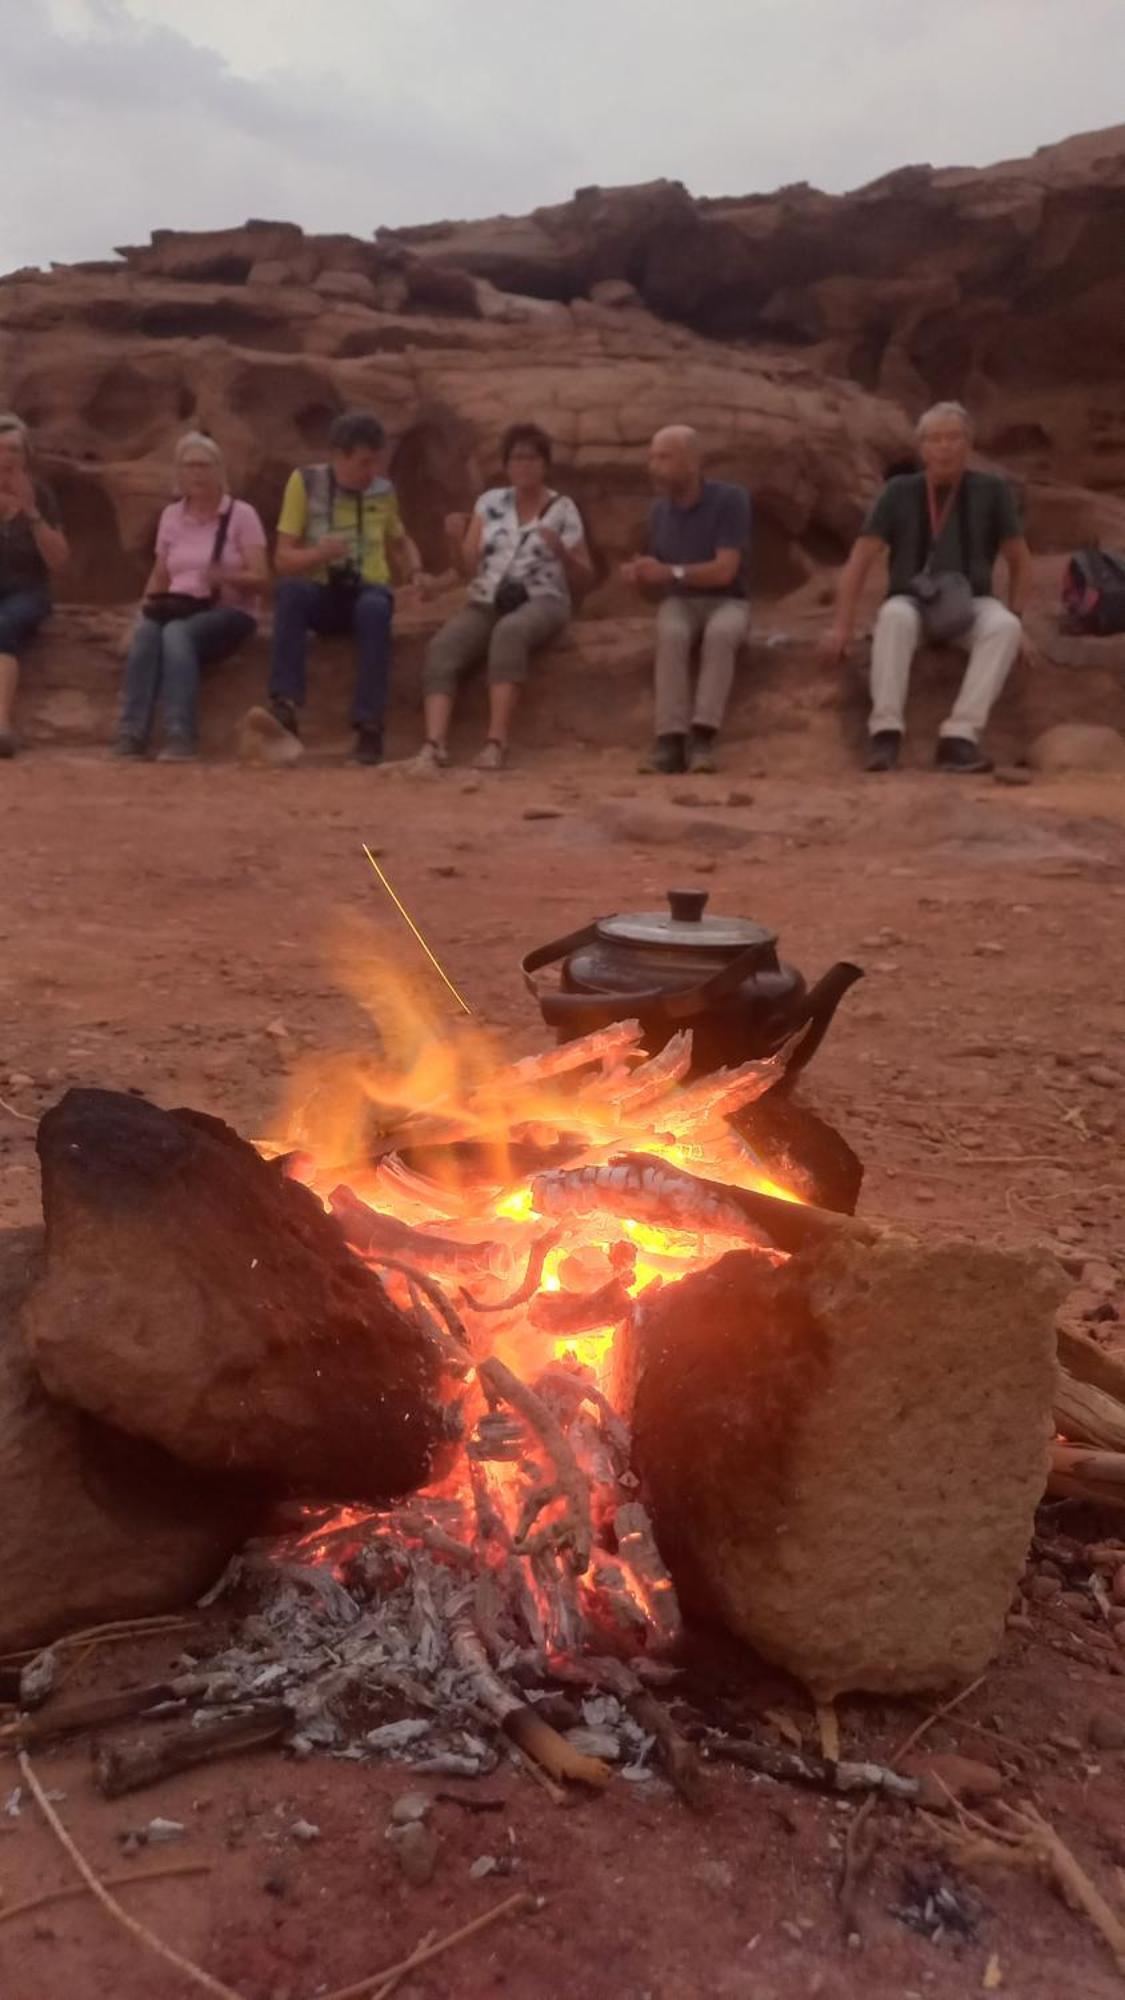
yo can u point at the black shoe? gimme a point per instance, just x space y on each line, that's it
958 753
128 746
668 757
883 749
701 750
284 712
368 745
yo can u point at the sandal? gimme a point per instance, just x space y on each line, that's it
493 757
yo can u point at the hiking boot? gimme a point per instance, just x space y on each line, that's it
667 758
285 712
883 749
960 753
127 746
493 757
7 743
701 751
178 750
430 762
368 744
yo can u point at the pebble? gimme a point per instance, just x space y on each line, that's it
18 1079
1040 1589
543 812
739 799
1100 1073
1107 1731
415 1848
989 948
409 1807
304 1830
159 1830
278 1030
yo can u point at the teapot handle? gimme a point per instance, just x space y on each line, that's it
549 954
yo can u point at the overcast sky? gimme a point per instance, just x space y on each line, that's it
120 116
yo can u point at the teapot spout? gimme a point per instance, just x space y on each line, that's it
820 1004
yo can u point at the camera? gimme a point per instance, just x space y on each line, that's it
345 575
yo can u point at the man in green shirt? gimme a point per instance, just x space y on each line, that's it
951 519
340 547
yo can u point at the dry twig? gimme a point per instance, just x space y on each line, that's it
139 1931
102 1635
163 1873
378 1985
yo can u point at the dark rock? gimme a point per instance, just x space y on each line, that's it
94 1525
195 1296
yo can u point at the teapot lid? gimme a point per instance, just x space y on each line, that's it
684 924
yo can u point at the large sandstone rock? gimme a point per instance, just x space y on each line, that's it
1078 746
195 1297
843 1457
1003 285
93 1525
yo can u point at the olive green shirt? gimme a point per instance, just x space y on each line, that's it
978 522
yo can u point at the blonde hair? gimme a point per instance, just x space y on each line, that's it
199 441
12 426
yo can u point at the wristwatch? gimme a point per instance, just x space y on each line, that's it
678 572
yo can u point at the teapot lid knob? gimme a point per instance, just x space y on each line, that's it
687 905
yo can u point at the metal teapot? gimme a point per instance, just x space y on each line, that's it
719 976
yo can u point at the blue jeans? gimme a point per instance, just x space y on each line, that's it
22 611
301 607
167 659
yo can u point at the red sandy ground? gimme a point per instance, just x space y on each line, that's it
164 928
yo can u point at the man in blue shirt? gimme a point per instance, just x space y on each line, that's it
698 561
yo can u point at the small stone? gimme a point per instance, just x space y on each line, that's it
472 784
415 1848
1012 774
737 798
1041 1589
264 740
989 948
277 1030
409 1807
304 1831
543 812
1101 1074
1107 1731
446 870
485 1864
18 1079
159 1830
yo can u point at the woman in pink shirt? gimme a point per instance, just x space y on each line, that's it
202 600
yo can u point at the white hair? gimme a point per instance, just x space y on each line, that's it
13 427
200 442
940 413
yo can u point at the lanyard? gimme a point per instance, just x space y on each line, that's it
359 523
938 520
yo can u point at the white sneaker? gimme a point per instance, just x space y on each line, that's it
430 762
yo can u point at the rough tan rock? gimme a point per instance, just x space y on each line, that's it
843 1457
93 1525
263 740
194 1296
346 285
1078 746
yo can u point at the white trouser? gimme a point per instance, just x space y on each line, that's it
993 640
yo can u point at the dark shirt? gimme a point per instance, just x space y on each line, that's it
718 519
900 517
21 565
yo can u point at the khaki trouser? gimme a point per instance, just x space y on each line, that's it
992 640
478 630
721 624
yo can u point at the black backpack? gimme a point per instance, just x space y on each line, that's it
1093 593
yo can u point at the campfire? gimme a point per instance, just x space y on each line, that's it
525 1216
544 1360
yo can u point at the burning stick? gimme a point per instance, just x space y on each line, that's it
574 1529
534 1736
642 1189
368 1231
794 1767
563 1313
531 1281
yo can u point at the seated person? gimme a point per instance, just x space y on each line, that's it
340 544
202 600
958 520
698 560
33 549
524 549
